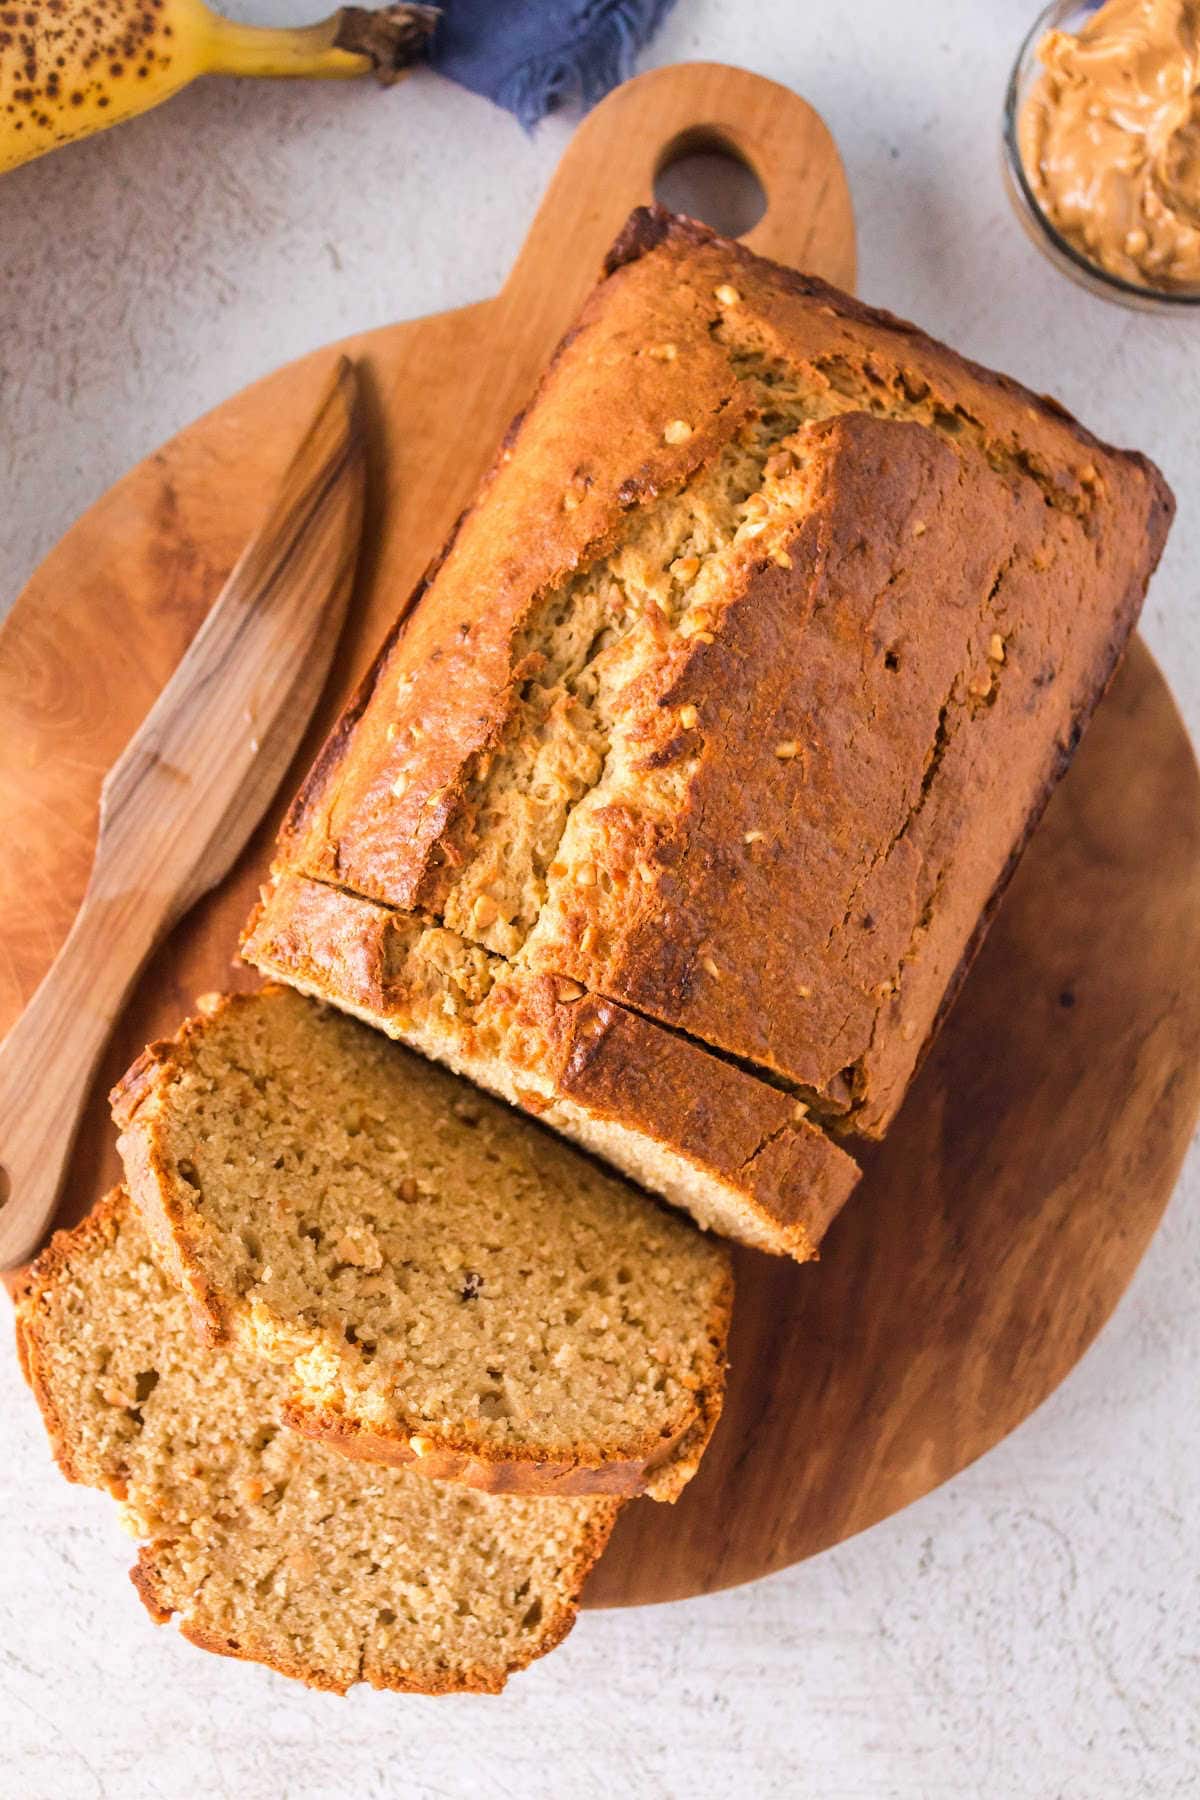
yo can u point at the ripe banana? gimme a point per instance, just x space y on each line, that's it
71 67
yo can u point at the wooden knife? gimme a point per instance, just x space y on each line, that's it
179 805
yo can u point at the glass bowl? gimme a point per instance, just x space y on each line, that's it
1068 14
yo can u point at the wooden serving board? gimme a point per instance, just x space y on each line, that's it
996 1229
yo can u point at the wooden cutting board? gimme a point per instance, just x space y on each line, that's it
996 1229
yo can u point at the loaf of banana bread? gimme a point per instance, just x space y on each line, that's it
734 697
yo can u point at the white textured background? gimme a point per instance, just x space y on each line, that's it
1033 1630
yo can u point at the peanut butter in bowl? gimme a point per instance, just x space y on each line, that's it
1105 114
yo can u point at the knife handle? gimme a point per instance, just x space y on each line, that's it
49 1058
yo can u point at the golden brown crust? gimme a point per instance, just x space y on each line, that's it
746 1134
524 1474
619 1068
839 932
650 227
796 950
349 825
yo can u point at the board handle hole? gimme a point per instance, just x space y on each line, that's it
702 173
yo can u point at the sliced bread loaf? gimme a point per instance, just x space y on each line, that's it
735 695
451 1286
268 1547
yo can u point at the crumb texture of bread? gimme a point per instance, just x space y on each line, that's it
738 691
449 1285
266 1546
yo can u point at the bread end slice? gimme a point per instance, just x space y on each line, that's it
265 1547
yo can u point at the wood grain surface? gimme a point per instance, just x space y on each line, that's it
186 792
998 1226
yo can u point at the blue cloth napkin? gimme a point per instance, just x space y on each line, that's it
531 56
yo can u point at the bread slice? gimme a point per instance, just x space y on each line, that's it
452 1287
266 1546
738 1154
737 692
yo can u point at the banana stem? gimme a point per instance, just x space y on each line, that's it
354 41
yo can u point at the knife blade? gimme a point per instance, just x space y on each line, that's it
179 804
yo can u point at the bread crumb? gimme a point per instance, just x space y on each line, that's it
980 686
677 432
727 295
689 718
360 1249
753 837
663 352
996 648
787 749
919 528
710 967
685 568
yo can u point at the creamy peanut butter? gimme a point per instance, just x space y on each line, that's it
1110 139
